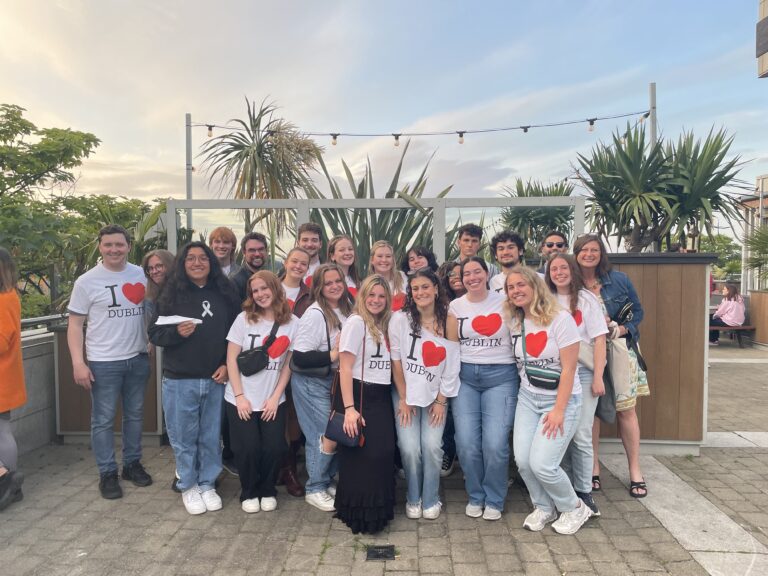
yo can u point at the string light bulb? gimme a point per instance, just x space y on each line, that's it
334 139
643 117
461 137
525 129
591 127
210 130
397 139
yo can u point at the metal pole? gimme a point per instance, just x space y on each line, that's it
188 121
652 108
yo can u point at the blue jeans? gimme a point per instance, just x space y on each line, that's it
483 414
579 456
113 380
421 451
312 400
538 457
192 409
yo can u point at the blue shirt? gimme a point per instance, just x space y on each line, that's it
616 291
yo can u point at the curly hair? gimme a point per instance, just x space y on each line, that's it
576 281
444 273
441 302
544 306
377 325
281 310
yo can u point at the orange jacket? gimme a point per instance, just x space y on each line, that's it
12 391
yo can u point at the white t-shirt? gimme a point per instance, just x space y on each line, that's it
260 386
114 305
311 334
497 283
483 336
351 286
543 344
589 317
430 363
311 270
378 368
291 294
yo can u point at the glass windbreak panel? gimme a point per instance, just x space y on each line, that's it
487 218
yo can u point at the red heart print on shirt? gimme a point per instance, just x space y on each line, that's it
291 303
432 353
279 346
353 291
577 316
134 292
535 343
398 301
486 325
308 281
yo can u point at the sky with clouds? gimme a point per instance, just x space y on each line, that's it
129 71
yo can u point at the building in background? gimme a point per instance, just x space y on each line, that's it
761 44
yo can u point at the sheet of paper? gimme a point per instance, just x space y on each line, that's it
171 320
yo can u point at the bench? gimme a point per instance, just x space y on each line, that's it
735 331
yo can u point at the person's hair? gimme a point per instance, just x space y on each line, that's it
258 236
553 233
444 274
114 229
346 303
544 306
153 289
397 279
284 270
441 302
483 265
376 325
280 307
178 287
7 271
732 292
508 236
577 283
226 235
471 230
419 251
310 227
332 248
603 266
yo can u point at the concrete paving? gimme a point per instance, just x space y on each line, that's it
64 527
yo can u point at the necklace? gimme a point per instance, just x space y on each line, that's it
595 285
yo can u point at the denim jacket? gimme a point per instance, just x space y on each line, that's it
616 290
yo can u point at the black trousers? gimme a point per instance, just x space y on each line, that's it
714 335
259 448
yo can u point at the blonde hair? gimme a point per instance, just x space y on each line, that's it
544 306
376 325
397 278
280 307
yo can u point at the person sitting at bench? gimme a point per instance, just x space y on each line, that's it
729 313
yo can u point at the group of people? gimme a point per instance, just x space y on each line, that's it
409 362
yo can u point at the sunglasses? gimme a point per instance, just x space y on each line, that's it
553 244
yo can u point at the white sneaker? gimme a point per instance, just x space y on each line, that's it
473 510
268 504
491 514
193 501
331 490
433 512
570 522
320 500
211 500
251 506
413 511
538 519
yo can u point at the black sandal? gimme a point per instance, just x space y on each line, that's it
596 484
638 486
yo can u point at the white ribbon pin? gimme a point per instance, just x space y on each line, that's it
207 309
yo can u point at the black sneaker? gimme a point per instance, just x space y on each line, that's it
230 466
586 497
10 484
448 464
135 473
109 486
175 483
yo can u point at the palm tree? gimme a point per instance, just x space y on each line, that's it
757 245
265 158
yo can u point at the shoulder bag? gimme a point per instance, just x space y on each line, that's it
334 430
249 362
314 371
545 378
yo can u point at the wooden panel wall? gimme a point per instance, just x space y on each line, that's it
758 315
673 342
75 402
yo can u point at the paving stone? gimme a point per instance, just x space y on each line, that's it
435 565
470 570
503 563
541 569
434 547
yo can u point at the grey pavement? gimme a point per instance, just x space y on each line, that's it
63 526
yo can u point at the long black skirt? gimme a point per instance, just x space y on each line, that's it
365 496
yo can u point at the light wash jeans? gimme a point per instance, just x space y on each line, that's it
483 414
312 400
421 452
579 456
192 409
538 457
115 380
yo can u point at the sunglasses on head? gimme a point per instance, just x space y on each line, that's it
553 244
